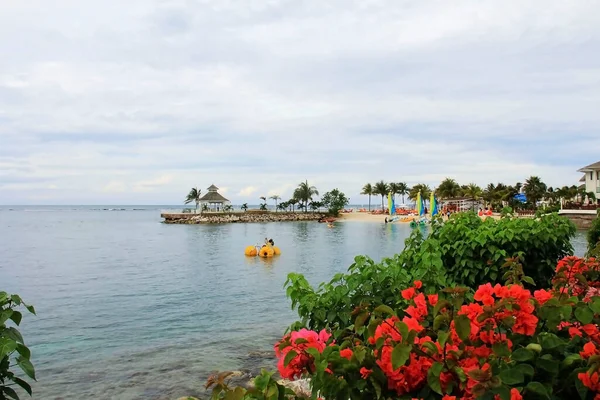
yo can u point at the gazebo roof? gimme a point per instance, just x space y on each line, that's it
213 197
212 188
582 179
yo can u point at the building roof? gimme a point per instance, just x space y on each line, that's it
212 188
591 167
582 179
213 197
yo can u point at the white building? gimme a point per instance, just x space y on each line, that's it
592 179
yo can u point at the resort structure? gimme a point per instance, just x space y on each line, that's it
591 179
213 200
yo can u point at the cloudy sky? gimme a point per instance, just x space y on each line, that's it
134 102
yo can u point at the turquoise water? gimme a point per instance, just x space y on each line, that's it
130 308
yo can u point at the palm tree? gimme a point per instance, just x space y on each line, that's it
394 189
244 207
403 189
228 207
473 192
276 198
304 193
534 189
292 202
448 189
367 190
283 205
381 188
421 187
193 196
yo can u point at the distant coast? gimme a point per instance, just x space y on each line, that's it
239 217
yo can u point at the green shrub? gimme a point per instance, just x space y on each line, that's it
593 235
12 347
463 250
474 250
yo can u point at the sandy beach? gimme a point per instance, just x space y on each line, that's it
380 218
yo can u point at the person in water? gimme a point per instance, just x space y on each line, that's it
271 242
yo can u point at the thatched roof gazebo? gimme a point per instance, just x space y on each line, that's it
213 199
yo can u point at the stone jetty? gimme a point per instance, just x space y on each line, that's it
239 217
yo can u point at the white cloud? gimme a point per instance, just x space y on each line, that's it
256 96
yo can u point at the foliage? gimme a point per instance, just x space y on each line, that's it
505 343
244 207
381 188
367 190
448 189
402 189
335 201
474 250
534 189
193 197
13 351
304 194
275 198
265 388
464 250
421 187
473 192
315 205
593 235
263 207
228 207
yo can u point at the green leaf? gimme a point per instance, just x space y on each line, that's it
403 328
463 327
595 305
550 366
27 367
5 315
30 309
433 377
300 341
23 351
502 391
537 388
16 317
377 387
551 341
360 320
525 369
570 359
289 357
7 346
584 314
13 334
501 349
400 355
512 376
522 355
15 298
26 387
9 392
529 280
385 310
439 306
360 354
443 337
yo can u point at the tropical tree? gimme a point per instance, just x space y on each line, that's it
193 196
304 193
244 207
335 201
367 190
473 192
283 205
403 190
381 188
263 206
228 207
276 198
315 205
263 198
534 189
421 187
393 189
292 202
448 189
205 207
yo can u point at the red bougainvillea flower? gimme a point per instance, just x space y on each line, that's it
346 353
589 350
408 294
485 294
592 381
514 395
365 373
542 296
418 284
433 299
299 341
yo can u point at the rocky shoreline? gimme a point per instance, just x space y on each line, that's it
239 217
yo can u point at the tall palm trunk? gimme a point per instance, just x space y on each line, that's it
369 202
382 201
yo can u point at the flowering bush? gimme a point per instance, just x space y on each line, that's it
508 342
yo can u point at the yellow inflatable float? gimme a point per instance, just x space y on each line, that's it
251 251
265 251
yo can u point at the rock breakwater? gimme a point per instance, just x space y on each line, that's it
239 217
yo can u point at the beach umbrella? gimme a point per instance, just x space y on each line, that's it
433 205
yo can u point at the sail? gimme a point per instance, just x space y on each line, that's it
433 205
390 203
419 204
393 207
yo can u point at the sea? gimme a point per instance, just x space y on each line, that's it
131 308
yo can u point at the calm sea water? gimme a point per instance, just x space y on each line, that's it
130 308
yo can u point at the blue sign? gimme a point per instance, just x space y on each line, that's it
521 197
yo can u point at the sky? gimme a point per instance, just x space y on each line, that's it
137 101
